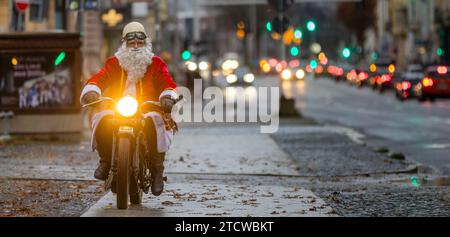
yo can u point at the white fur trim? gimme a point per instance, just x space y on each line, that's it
90 87
164 136
170 92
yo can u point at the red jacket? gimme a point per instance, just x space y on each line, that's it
110 81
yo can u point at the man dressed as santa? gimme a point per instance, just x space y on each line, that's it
135 71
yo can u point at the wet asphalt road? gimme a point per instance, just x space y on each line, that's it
419 130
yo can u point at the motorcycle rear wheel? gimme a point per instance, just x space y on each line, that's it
123 174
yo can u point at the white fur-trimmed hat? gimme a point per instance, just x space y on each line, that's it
133 27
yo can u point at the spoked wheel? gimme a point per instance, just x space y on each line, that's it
123 173
137 181
135 192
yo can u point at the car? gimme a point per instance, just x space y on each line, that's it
404 86
335 72
387 81
435 84
241 76
360 77
342 71
382 75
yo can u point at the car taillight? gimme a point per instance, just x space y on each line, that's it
363 76
442 70
427 82
406 85
331 69
385 78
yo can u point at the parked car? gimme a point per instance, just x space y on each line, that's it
436 83
404 86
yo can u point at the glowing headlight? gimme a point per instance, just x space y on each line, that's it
286 74
203 65
127 106
249 77
300 74
192 66
232 78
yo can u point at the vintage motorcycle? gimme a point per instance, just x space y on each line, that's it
130 166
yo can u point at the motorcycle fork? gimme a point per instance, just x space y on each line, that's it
113 170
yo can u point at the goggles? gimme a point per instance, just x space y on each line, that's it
135 35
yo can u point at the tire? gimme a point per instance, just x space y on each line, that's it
123 173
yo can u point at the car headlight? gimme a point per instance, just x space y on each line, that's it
127 106
249 77
286 74
231 78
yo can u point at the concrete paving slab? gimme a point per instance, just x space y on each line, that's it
228 151
218 200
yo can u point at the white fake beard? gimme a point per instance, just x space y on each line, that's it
135 61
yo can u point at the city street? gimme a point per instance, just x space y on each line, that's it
419 130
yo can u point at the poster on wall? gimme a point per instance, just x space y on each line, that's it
33 82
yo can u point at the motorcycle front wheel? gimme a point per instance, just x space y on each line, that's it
123 173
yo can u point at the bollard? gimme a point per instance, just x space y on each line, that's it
6 119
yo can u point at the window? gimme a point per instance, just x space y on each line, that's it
60 15
38 10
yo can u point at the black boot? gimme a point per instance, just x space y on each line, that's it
102 170
157 170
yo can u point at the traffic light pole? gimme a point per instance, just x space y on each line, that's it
287 106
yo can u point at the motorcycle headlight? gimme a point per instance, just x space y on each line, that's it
127 106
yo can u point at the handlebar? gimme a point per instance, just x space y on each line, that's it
157 103
101 99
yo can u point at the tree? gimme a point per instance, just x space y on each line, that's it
358 17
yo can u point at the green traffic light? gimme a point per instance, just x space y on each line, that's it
60 58
313 64
346 53
294 51
374 56
186 55
311 26
440 52
298 34
269 26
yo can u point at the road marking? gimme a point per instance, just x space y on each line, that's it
437 146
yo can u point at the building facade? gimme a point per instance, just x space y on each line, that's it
414 30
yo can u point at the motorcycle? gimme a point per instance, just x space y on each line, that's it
130 175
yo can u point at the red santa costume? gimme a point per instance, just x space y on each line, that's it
114 80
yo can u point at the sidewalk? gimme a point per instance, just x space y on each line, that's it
223 151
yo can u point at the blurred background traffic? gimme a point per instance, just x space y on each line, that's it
401 46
